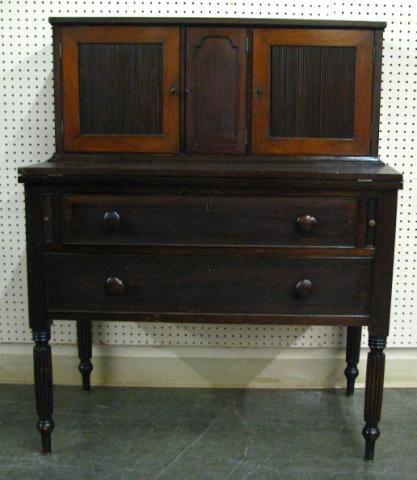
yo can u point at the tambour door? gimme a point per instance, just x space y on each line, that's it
121 89
312 91
216 89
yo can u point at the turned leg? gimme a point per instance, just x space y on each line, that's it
353 347
42 361
373 393
85 339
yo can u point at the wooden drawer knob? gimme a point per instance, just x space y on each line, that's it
303 288
115 286
306 223
111 221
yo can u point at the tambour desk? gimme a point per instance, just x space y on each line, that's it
213 170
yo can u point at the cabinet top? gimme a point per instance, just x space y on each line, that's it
368 172
258 22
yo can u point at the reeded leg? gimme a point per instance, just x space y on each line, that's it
85 339
42 361
353 347
373 394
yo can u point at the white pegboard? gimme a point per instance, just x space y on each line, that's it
26 132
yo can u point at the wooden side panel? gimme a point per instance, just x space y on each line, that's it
209 284
312 91
386 210
121 89
216 90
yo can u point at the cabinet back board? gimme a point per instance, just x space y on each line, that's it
240 88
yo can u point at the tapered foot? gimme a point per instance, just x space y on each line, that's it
42 361
85 340
373 393
45 429
353 346
370 435
351 374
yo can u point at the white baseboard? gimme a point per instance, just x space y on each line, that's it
206 367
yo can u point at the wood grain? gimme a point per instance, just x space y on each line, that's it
209 284
74 139
216 90
312 91
209 220
114 99
262 142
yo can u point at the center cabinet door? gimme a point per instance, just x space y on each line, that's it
216 90
312 91
121 89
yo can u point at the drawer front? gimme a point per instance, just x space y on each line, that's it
208 284
210 220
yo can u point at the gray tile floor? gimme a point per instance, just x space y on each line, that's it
187 434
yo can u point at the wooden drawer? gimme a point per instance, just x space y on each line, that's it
208 284
210 220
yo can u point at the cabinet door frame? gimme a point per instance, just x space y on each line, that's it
262 142
74 141
237 37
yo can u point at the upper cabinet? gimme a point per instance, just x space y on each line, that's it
312 91
199 87
121 89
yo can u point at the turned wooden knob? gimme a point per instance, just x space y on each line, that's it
303 288
111 221
306 223
115 286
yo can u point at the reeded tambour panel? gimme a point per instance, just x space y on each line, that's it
120 87
312 91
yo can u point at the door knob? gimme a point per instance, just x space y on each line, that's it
306 223
303 288
111 221
115 286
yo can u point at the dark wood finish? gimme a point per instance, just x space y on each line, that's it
207 284
216 90
115 286
42 361
209 220
85 351
312 91
48 217
376 98
218 318
183 69
259 22
151 82
119 101
384 261
35 240
353 348
314 108
364 172
375 368
137 228
59 132
249 74
303 288
306 223
371 222
111 221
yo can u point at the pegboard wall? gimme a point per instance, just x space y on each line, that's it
26 132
